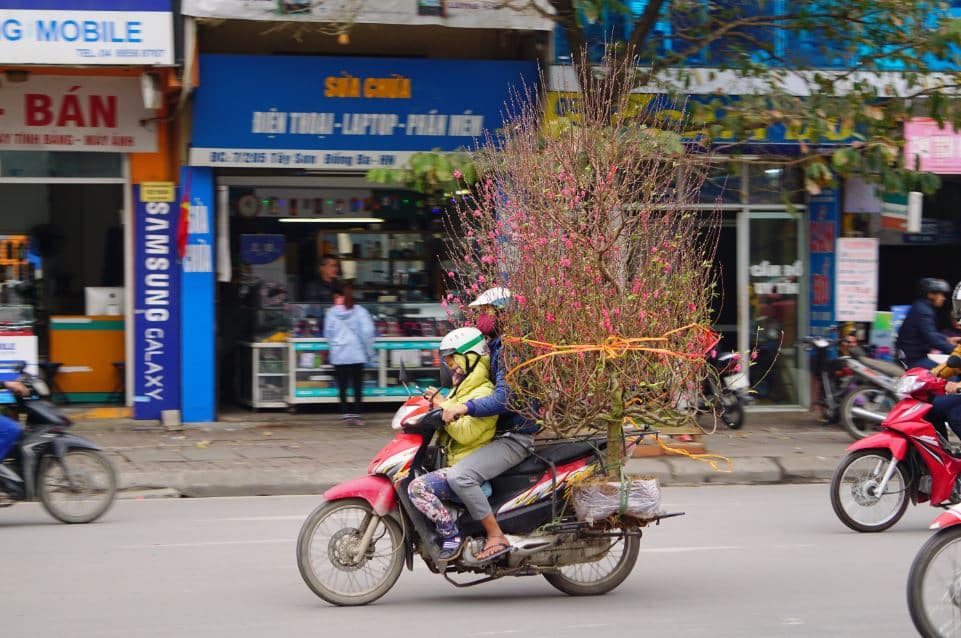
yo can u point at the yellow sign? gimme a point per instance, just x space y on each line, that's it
157 192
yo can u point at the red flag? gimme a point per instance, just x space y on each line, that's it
183 226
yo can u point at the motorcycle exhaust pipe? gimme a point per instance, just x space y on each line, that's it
867 414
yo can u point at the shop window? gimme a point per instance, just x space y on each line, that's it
60 164
722 184
774 184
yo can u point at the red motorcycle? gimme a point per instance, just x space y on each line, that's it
934 582
353 547
909 459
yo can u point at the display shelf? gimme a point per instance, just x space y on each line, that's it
387 386
259 389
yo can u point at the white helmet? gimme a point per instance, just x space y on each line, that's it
462 341
497 297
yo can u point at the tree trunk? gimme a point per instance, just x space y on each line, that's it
613 458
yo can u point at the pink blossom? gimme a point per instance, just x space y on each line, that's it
737 368
642 315
736 356
457 174
481 279
521 299
691 307
753 355
450 274
549 317
565 263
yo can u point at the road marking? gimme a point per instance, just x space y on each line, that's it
678 550
264 541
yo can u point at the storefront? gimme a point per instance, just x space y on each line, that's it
289 161
76 123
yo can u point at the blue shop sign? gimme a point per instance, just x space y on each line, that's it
346 113
824 222
114 32
156 303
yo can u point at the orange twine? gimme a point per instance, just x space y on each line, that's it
613 346
616 346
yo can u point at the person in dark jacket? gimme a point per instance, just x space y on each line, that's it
513 442
919 333
323 289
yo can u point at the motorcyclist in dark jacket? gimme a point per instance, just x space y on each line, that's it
919 333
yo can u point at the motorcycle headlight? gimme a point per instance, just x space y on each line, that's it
908 384
402 413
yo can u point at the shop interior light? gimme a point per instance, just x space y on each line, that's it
334 220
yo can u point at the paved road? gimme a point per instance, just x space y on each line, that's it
745 561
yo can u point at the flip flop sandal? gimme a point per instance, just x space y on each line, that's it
493 552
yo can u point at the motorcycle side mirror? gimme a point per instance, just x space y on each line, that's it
954 361
446 378
402 376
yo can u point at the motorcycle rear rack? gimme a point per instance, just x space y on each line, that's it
571 526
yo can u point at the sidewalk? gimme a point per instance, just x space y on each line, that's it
278 453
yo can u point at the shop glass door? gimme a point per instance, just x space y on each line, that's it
775 302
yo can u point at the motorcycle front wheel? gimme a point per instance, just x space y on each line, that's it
934 585
601 575
875 401
854 494
326 553
79 488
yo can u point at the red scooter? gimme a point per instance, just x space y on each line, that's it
909 459
934 582
352 548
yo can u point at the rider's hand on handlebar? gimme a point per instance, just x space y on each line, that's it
431 394
17 388
951 387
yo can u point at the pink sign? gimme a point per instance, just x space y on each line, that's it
939 149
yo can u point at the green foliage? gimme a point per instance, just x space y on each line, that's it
430 172
885 53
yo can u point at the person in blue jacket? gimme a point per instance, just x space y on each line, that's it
514 438
349 331
9 428
919 333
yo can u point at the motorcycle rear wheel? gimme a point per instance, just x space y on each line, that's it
874 400
86 494
852 497
602 575
934 585
325 541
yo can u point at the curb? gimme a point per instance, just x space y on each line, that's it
669 471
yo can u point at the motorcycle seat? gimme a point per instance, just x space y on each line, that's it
884 367
558 454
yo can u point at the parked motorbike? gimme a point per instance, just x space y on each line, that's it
910 459
832 376
934 582
73 479
725 390
352 548
865 406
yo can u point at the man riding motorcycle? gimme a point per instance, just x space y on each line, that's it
948 407
515 434
919 334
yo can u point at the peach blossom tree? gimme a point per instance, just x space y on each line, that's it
594 228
